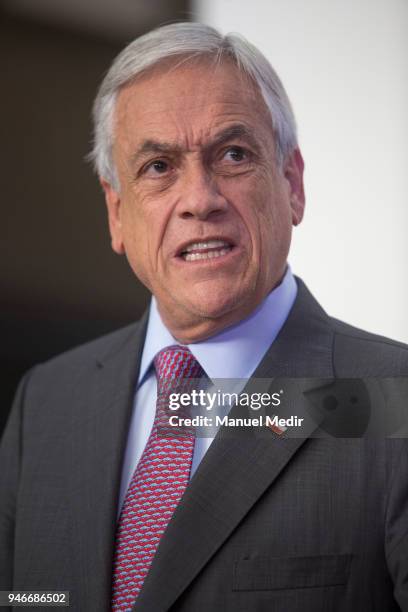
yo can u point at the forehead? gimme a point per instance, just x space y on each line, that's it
188 101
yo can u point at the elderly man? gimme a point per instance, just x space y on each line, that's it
196 150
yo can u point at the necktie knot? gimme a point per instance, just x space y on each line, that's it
174 366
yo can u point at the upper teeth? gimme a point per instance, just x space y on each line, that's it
200 246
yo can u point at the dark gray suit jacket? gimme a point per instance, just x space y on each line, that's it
275 524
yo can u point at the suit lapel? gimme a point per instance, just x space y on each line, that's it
100 422
237 470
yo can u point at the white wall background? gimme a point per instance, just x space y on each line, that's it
344 64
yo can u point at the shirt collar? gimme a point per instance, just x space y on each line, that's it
236 351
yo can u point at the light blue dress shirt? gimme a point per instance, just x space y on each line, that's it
234 353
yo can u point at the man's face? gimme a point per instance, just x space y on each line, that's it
203 212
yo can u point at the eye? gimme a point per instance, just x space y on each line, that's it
158 166
236 154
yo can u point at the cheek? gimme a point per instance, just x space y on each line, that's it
268 219
145 222
134 225
256 206
135 230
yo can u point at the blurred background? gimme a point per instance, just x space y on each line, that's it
61 284
344 64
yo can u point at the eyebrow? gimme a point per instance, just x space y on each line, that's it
237 130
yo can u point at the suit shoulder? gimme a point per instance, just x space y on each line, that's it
367 353
349 331
94 350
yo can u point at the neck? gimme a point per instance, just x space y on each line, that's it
188 327
201 328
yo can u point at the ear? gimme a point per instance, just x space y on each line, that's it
293 171
113 204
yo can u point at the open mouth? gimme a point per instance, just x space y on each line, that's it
209 249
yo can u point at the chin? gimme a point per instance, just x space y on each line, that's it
214 306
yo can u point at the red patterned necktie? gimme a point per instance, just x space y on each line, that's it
158 482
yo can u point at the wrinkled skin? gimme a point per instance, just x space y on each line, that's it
195 156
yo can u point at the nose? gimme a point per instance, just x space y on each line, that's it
201 198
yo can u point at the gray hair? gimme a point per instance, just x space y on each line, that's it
191 40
